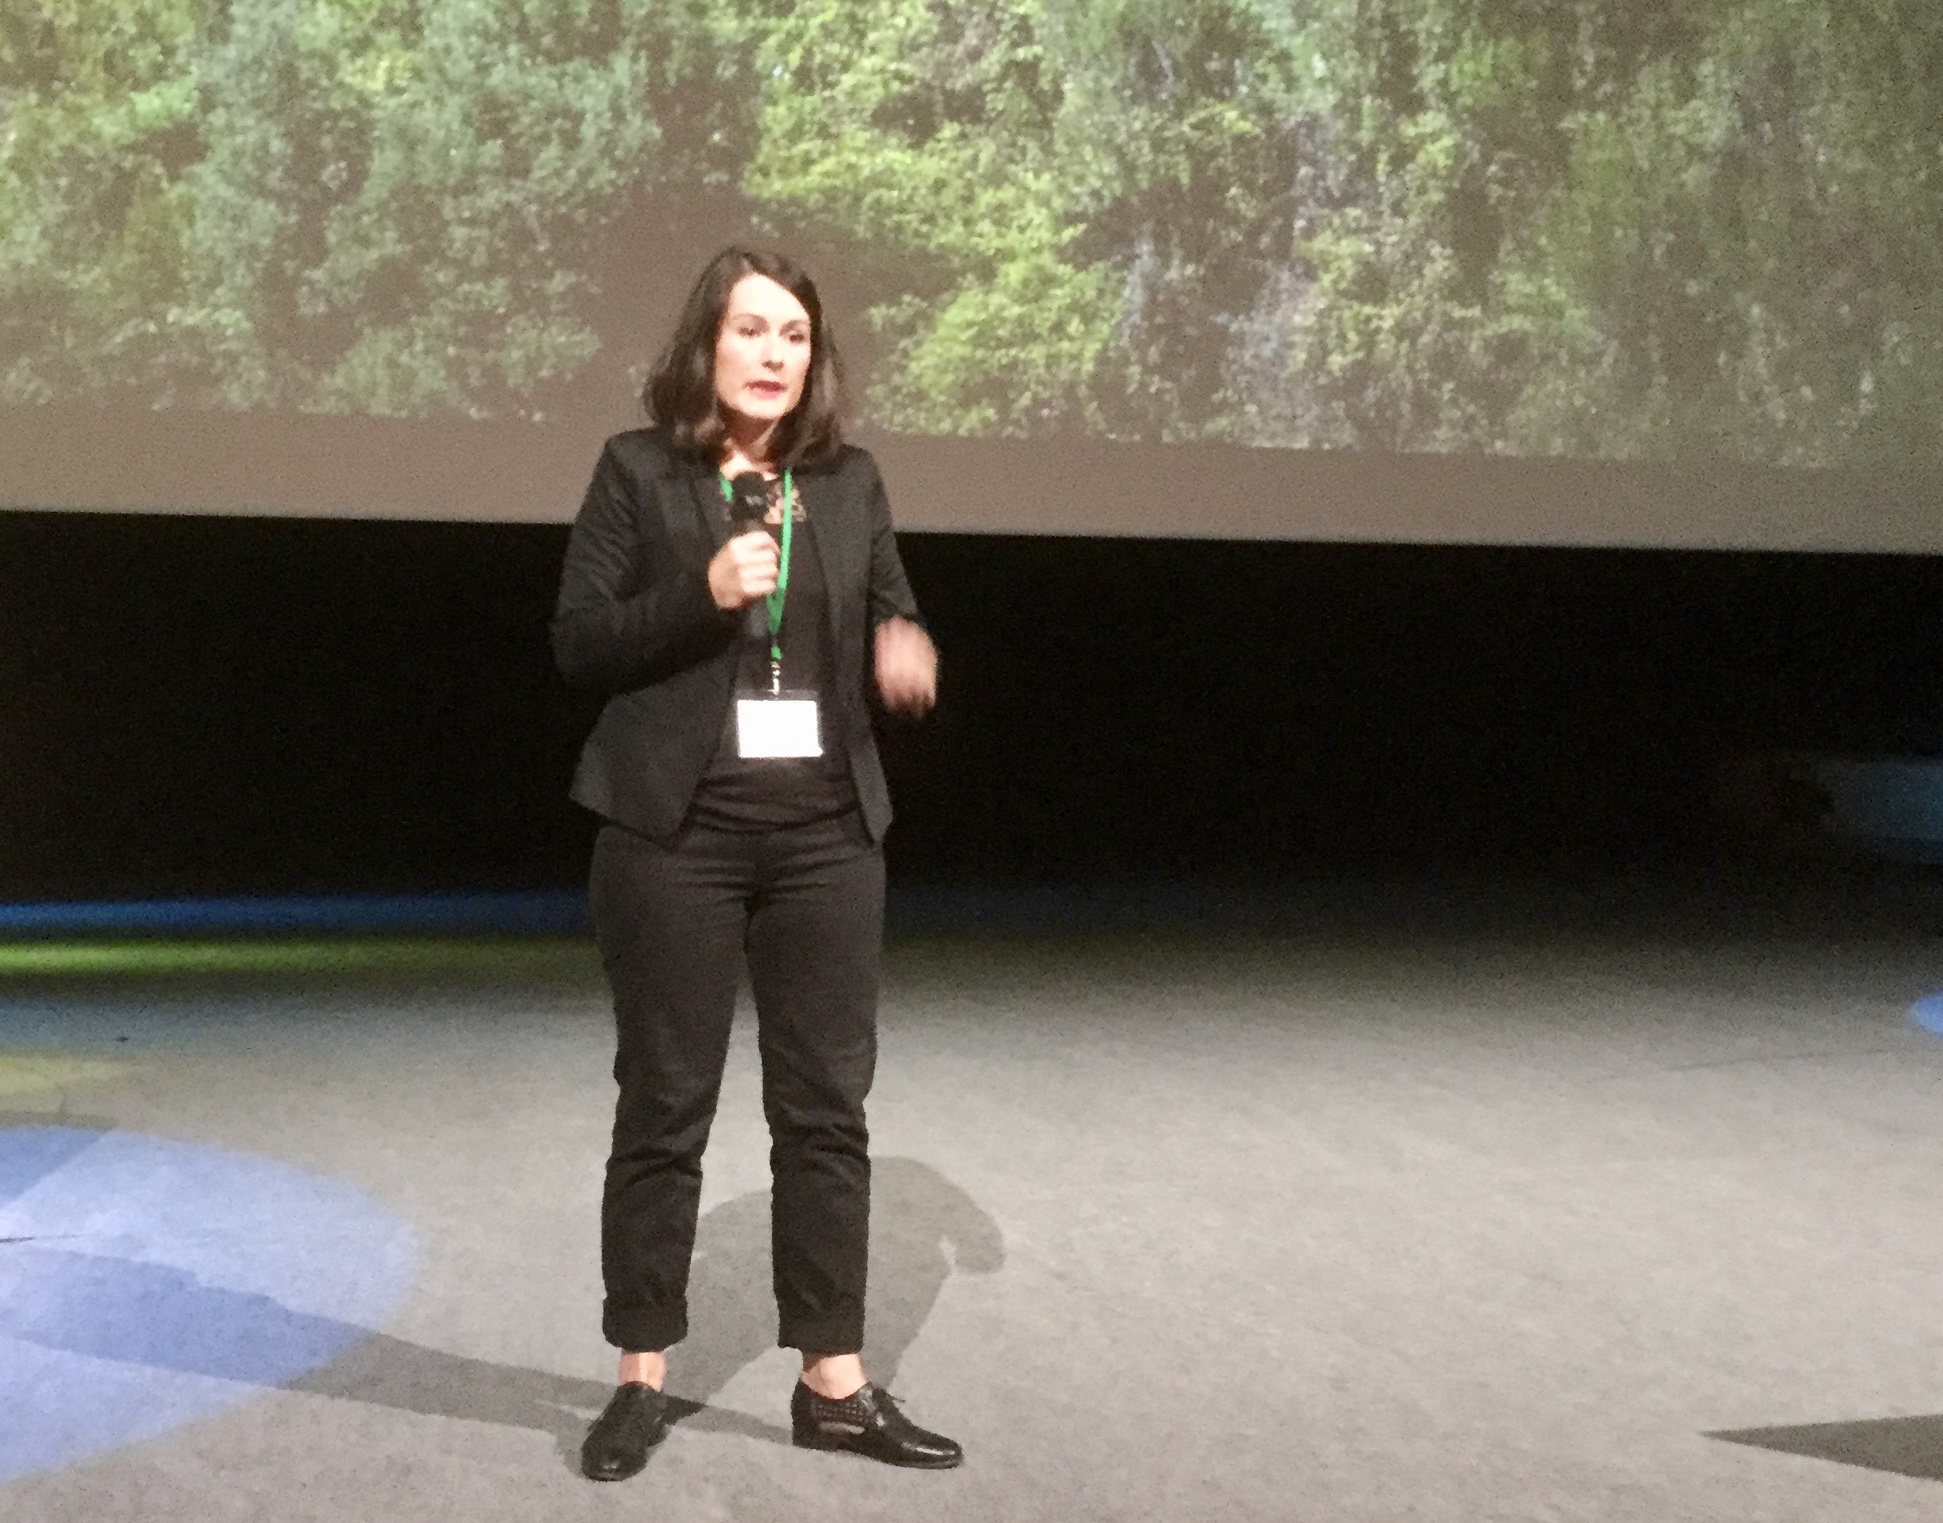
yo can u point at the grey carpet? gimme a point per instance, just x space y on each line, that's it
1357 1217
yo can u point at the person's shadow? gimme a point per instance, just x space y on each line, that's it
923 1228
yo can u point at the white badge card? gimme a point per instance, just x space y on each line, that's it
779 726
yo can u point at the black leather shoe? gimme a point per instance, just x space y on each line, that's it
617 1445
867 1423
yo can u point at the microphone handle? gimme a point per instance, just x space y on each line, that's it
755 616
747 511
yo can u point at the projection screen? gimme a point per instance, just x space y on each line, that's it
1598 272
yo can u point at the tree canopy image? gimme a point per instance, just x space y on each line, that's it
1619 229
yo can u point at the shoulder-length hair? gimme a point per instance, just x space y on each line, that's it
680 394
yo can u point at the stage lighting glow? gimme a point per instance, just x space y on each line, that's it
403 935
24 1073
268 958
148 1283
537 913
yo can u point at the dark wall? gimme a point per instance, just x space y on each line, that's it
218 705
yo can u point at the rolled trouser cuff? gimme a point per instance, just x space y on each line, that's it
644 1330
822 1334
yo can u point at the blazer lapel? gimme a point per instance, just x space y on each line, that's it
706 497
826 509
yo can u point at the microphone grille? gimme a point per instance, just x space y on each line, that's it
751 495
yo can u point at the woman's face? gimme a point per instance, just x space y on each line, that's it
762 354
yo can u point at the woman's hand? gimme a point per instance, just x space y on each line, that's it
907 667
743 570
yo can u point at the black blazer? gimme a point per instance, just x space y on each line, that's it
635 619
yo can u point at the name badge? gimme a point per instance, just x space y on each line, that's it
777 726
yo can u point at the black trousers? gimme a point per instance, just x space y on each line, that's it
805 905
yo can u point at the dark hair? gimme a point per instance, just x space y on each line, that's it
680 394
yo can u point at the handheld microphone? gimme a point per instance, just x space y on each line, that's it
748 507
749 502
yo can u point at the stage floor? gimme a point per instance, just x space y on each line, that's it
1614 1205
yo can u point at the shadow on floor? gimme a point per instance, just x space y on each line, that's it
1911 1446
923 1230
384 1371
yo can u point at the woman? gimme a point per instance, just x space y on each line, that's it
728 569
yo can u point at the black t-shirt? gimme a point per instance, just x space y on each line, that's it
761 793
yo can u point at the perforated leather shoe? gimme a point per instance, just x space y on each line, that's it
869 1424
617 1445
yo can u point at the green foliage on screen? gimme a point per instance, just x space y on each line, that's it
1611 228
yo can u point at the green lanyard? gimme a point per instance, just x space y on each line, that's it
774 601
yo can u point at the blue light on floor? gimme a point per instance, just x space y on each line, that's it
540 913
146 1283
1927 1012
